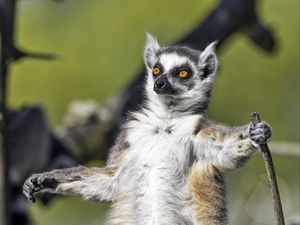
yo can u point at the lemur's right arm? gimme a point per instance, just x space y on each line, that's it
228 148
98 184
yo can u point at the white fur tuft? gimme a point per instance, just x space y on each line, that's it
208 51
208 59
151 49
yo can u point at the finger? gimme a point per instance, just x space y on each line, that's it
32 198
28 192
256 132
258 138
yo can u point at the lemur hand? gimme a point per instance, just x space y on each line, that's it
38 182
260 133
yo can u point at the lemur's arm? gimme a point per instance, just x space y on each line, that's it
98 184
86 183
230 147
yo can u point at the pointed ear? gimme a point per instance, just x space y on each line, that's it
151 48
209 61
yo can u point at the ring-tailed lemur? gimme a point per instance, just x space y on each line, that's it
167 164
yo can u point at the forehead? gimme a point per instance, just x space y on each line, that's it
173 56
171 60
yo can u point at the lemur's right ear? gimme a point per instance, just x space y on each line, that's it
151 48
209 61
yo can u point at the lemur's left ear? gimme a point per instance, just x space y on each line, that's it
209 61
151 48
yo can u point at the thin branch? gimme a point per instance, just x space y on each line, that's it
271 175
287 149
19 54
7 16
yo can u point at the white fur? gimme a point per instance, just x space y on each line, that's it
162 161
208 51
150 49
169 61
160 158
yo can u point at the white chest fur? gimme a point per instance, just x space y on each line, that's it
163 151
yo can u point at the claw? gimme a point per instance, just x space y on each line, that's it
28 191
32 198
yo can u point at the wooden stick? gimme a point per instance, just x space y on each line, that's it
7 16
271 175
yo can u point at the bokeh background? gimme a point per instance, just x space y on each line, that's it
100 43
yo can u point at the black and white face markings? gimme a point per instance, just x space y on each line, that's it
174 70
179 73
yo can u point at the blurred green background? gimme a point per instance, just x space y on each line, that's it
101 42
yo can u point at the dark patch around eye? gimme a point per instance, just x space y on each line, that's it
176 70
158 65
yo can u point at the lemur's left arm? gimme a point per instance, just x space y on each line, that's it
230 147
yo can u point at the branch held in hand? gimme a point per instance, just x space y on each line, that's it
271 175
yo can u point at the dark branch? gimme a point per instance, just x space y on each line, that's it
7 16
271 175
19 54
231 16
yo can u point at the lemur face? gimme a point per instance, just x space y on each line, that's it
179 72
172 73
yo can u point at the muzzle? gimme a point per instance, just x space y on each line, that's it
163 87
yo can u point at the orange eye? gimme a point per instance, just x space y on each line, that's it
156 71
183 74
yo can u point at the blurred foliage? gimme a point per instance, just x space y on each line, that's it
101 42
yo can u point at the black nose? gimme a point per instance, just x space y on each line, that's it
160 84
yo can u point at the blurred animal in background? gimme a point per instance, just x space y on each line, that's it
33 148
87 127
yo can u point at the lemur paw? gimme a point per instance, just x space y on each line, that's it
36 183
260 133
245 149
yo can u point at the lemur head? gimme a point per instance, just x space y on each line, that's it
180 75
